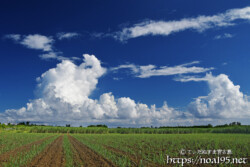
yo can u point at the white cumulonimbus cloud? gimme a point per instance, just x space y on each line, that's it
152 70
200 23
225 99
64 96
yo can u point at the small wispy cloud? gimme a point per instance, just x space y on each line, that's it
190 78
150 70
15 37
98 35
134 68
33 41
225 63
67 35
43 43
116 78
200 24
224 36
52 55
56 56
38 41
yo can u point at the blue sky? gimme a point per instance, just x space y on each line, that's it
190 54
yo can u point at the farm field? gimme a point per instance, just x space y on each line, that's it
56 149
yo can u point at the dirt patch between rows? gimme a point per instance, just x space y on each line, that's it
51 156
5 157
84 156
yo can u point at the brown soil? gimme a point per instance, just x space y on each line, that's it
84 156
8 155
51 156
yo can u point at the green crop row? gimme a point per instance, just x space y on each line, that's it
144 149
23 158
244 129
8 141
132 149
118 159
67 151
97 130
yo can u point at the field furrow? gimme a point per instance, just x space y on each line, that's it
84 156
8 155
8 140
52 156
